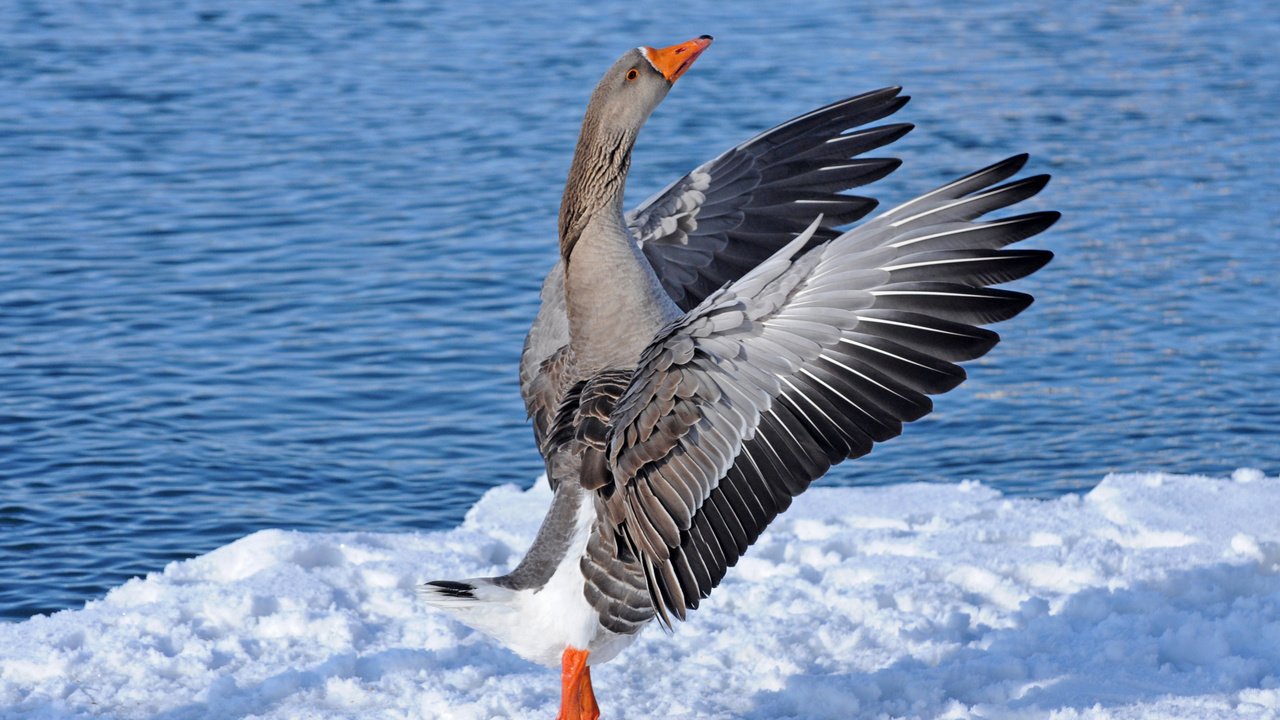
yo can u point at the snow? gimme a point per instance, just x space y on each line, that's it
1153 595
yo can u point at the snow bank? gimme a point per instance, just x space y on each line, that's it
1152 596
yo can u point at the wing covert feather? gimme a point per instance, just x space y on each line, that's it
731 213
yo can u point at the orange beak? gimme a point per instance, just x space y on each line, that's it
673 61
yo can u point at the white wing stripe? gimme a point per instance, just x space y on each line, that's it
938 293
944 206
806 399
777 420
855 343
948 261
910 325
967 228
833 361
838 394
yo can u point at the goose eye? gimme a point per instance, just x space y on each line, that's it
632 74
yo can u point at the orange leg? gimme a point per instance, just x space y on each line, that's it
577 700
590 710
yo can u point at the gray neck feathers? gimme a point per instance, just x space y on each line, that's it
596 181
614 301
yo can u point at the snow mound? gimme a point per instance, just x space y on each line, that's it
1151 596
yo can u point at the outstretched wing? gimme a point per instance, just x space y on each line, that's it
730 214
807 360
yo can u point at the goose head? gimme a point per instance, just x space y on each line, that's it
638 82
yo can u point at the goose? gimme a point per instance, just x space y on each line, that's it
698 362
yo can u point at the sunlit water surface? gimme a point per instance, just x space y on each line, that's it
270 264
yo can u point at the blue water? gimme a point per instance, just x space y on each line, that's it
270 264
